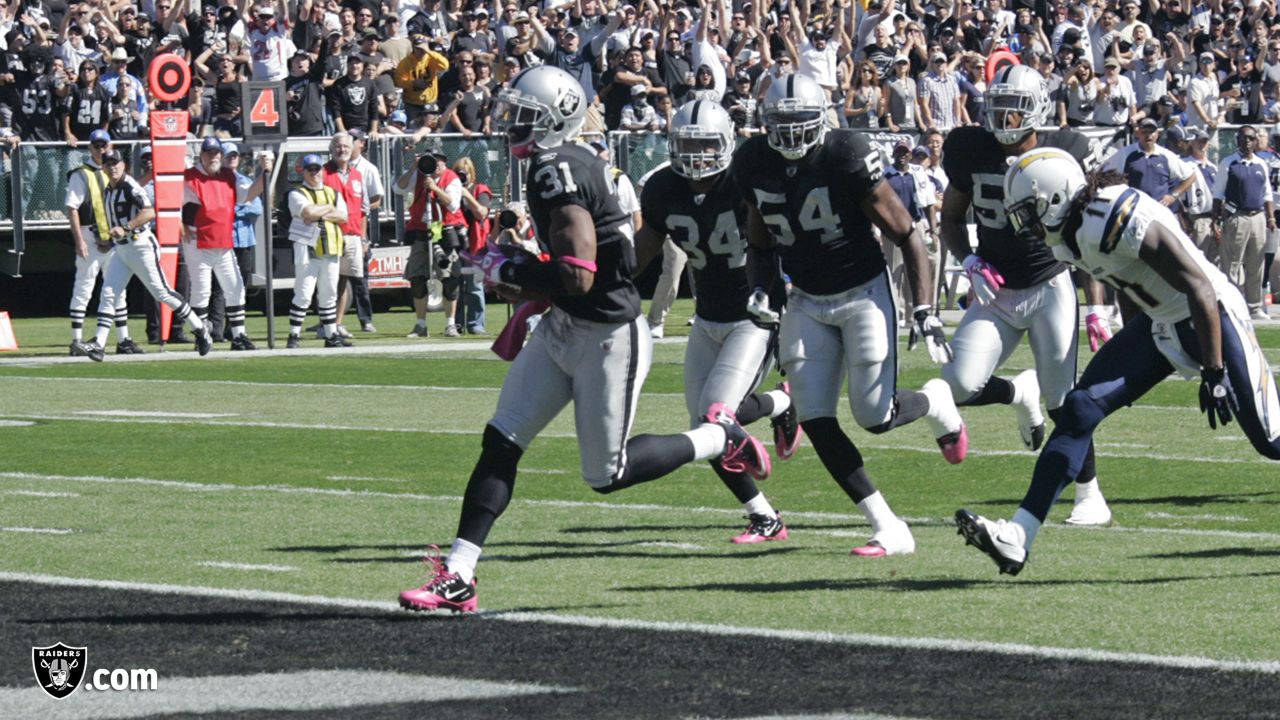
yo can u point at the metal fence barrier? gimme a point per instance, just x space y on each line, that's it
34 180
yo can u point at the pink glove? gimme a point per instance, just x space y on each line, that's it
984 278
1097 326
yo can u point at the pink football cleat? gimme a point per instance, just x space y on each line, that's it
742 452
444 590
762 528
955 446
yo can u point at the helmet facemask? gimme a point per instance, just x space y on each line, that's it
1011 113
697 153
795 130
523 119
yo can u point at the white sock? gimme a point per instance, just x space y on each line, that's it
781 402
330 330
237 331
196 323
77 334
1030 525
1087 490
449 321
122 333
759 505
462 559
101 337
708 441
877 511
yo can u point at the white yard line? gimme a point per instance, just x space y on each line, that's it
852 519
443 348
362 478
42 494
1163 457
285 692
1268 667
156 414
246 566
38 531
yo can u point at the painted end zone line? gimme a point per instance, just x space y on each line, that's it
1268 667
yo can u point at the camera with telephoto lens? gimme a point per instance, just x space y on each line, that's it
463 177
507 220
427 164
443 259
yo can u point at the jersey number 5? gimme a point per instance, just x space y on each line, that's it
815 215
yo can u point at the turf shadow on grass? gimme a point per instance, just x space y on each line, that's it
1216 553
586 554
1252 498
928 584
615 673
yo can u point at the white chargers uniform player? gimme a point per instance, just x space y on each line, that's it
1019 288
592 349
1182 314
812 197
693 203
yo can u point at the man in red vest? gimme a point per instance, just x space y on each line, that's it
436 209
210 194
348 182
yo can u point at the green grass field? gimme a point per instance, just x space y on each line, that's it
333 472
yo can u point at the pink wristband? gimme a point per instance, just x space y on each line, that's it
577 262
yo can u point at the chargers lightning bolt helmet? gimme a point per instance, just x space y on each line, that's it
700 141
1039 189
1020 90
544 107
794 112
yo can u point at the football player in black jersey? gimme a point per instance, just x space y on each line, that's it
1017 287
813 196
692 201
592 349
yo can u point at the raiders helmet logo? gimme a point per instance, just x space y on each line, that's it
568 100
59 668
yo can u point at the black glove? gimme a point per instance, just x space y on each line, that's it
1217 397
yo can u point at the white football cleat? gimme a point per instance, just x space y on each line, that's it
657 332
1026 403
1090 507
1003 541
896 539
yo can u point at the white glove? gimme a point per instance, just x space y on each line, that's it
929 327
758 306
984 278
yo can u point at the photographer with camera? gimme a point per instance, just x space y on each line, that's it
434 215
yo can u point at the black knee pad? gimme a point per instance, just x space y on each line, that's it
880 429
418 287
495 447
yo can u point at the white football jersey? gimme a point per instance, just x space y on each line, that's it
1114 226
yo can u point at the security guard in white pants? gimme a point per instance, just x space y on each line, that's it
316 232
128 210
1242 204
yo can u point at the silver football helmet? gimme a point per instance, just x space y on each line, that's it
1039 189
544 107
1016 90
700 140
794 113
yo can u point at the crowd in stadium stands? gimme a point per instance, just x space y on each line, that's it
426 66
395 67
